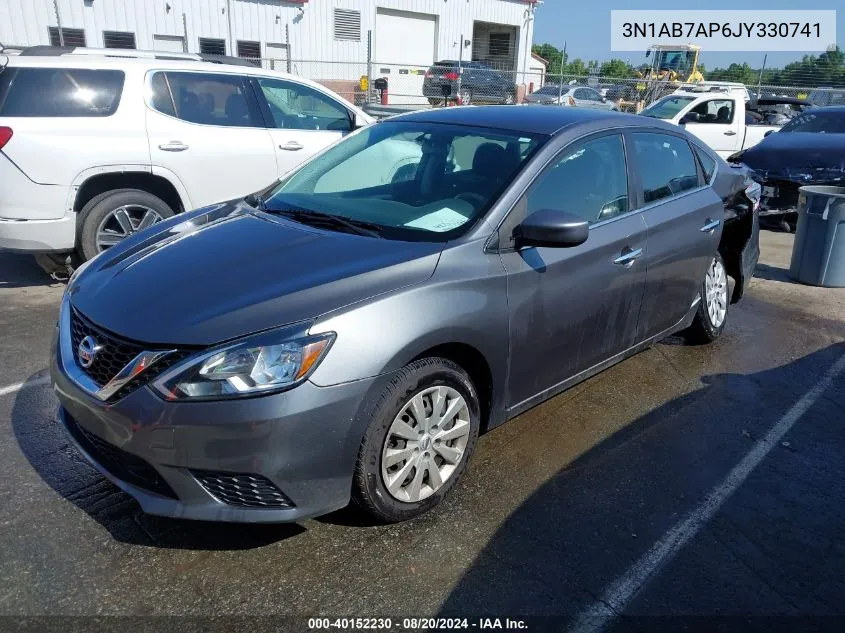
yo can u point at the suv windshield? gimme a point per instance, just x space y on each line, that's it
408 180
667 107
818 121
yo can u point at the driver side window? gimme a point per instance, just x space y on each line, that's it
714 111
589 180
299 107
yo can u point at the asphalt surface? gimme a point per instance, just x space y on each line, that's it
606 505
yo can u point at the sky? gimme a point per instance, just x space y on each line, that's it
585 27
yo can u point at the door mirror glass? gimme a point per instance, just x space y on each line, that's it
689 117
551 227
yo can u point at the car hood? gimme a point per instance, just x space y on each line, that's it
804 157
227 271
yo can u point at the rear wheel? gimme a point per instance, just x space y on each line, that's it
420 438
113 216
712 311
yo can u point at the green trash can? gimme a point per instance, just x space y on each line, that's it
818 254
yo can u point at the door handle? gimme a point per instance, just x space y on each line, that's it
291 146
710 226
730 133
173 146
628 257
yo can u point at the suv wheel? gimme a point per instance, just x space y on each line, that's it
713 307
420 438
113 216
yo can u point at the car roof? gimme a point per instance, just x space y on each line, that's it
528 119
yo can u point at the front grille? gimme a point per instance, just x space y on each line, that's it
125 466
250 491
115 354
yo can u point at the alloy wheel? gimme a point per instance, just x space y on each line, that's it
123 222
716 293
425 443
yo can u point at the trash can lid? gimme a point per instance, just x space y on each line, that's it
823 190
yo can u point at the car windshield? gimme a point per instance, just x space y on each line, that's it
667 107
407 180
817 121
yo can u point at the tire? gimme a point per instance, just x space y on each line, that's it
94 215
428 378
705 328
436 102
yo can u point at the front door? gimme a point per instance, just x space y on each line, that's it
684 218
206 129
572 308
306 120
717 125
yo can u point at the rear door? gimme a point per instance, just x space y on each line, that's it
684 218
572 308
207 129
303 120
718 125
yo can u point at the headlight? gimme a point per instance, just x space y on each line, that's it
255 366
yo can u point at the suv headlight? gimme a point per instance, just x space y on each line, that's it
257 365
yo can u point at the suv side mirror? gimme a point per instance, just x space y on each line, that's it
551 227
689 117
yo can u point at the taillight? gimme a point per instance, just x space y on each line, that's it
5 135
451 76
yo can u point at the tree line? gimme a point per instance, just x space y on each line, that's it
826 69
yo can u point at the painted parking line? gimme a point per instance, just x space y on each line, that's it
36 382
612 603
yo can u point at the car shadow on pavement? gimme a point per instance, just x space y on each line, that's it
45 444
19 270
773 273
773 548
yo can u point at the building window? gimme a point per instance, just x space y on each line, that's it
117 39
212 46
499 45
71 37
347 25
250 51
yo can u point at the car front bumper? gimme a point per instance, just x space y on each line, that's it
304 442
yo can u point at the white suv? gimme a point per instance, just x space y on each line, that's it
96 147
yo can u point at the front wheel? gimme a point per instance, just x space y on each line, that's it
712 311
419 440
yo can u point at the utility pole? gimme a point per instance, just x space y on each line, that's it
560 82
59 22
760 79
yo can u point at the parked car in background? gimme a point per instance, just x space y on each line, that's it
579 96
467 82
348 333
824 97
716 118
809 150
97 145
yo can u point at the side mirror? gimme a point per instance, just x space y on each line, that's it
551 227
689 117
358 121
768 132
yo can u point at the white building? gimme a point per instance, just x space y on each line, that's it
320 39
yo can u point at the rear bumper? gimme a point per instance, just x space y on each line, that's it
38 235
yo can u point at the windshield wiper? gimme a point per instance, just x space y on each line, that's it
329 220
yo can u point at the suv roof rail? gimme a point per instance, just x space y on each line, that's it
53 51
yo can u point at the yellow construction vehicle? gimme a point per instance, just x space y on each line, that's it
672 65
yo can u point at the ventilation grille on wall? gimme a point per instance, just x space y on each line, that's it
347 25
116 39
72 37
211 46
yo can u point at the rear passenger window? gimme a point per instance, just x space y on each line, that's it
590 181
666 164
59 92
708 165
209 99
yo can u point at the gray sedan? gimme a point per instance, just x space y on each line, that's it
348 333
579 96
